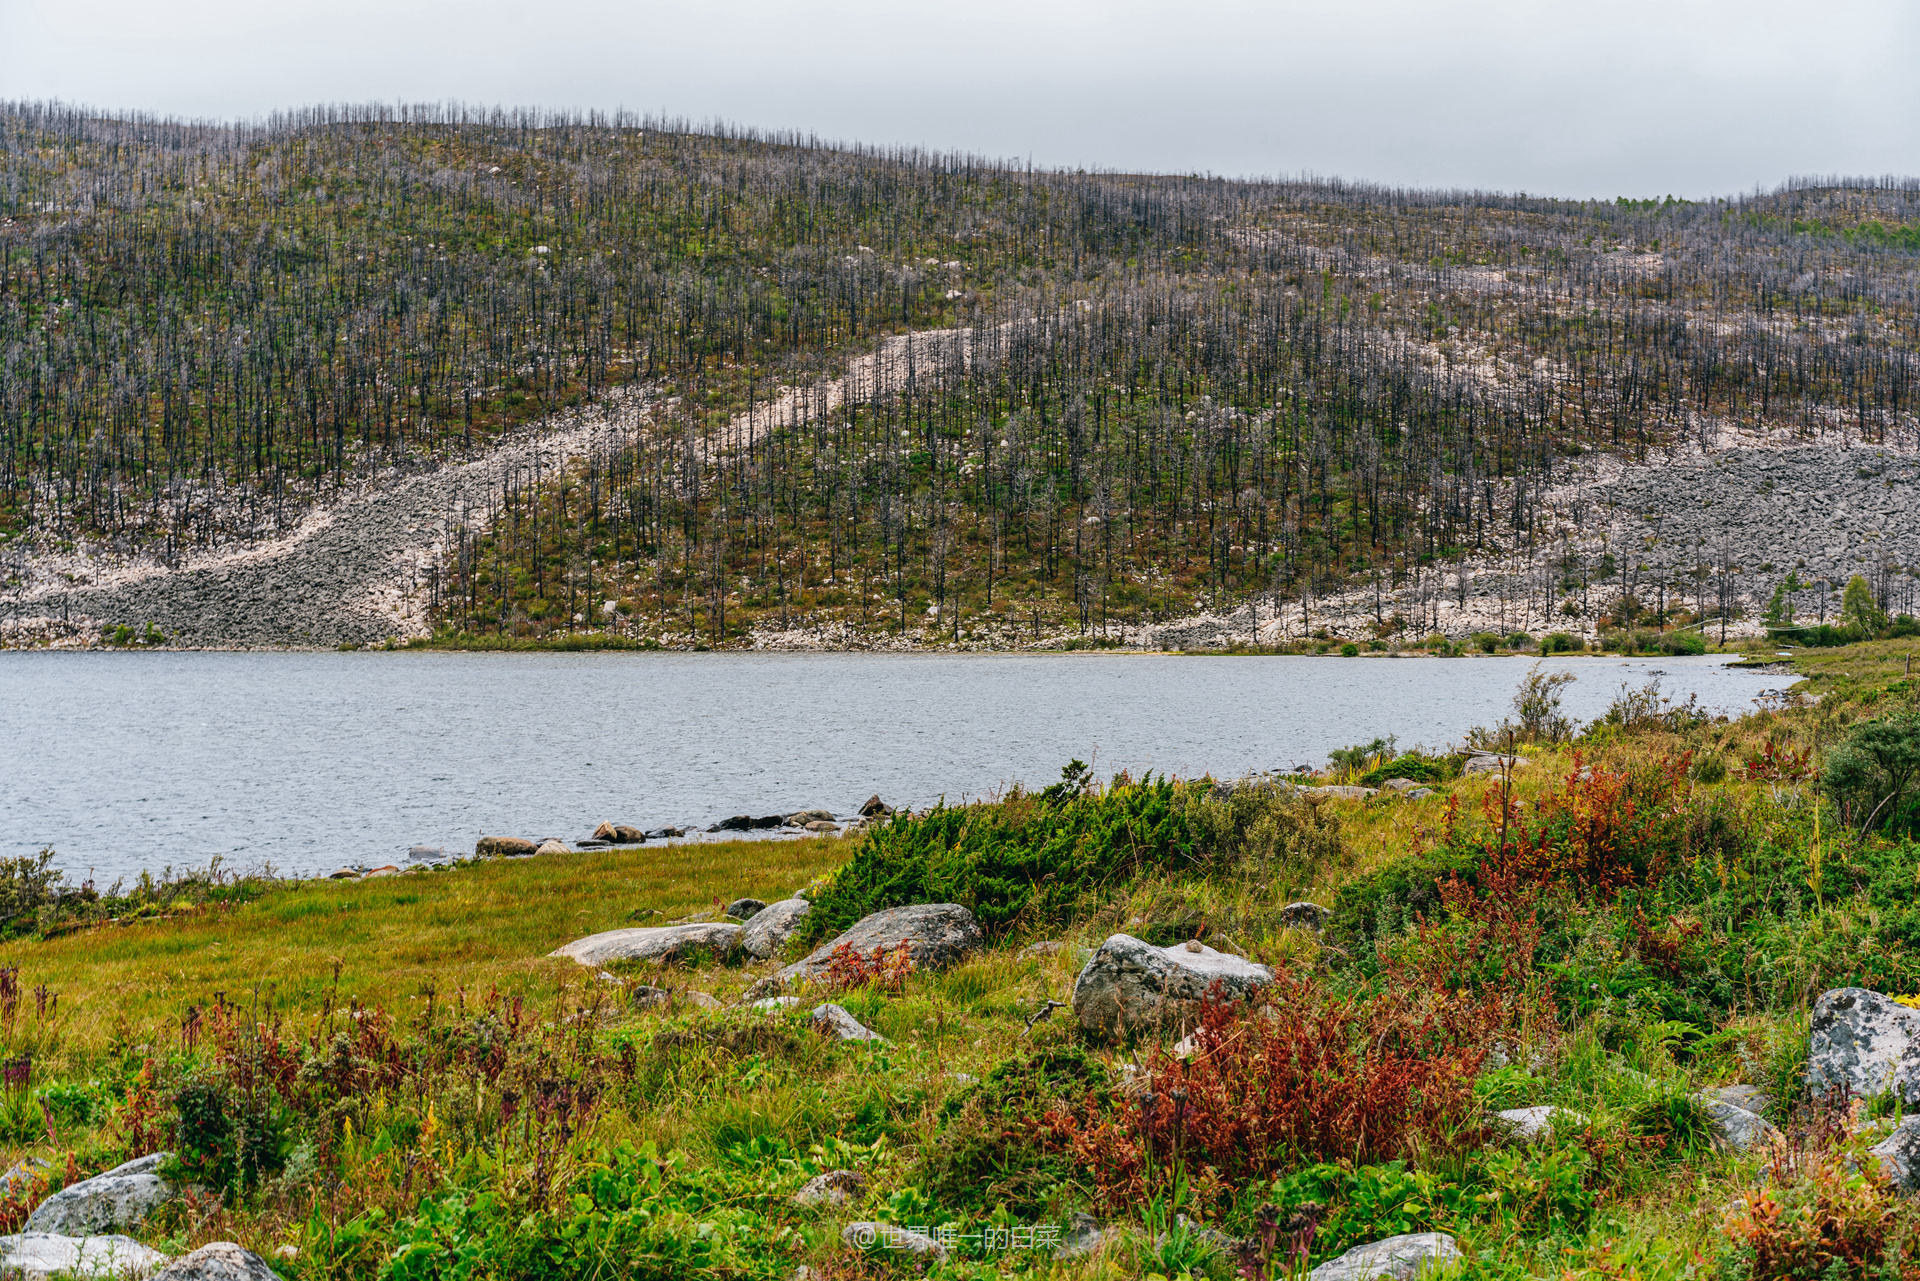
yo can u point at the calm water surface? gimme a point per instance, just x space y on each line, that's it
307 761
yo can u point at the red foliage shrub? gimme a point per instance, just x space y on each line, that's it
1773 763
1606 829
1309 1076
886 968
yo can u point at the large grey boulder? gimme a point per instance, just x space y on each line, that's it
1733 1125
767 931
1398 1257
219 1261
1899 1154
667 944
1131 986
116 1200
41 1256
1863 1043
934 934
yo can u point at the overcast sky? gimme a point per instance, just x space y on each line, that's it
1567 97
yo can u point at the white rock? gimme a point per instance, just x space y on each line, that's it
1865 1043
664 943
1529 1125
777 1002
1129 985
1397 1257
552 847
1489 764
834 1021
219 1261
120 1198
41 1256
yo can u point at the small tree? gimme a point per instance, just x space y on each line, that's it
1860 612
1870 772
1536 706
1780 608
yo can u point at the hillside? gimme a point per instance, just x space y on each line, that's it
912 398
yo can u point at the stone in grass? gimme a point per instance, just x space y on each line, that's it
666 944
1304 916
1345 792
1733 1126
1085 1236
935 935
1400 1258
553 845
1864 1043
1491 764
885 1236
219 1261
1751 1097
503 847
745 909
1899 1154
834 1021
767 930
834 1188
1132 986
119 1199
40 1256
1531 1125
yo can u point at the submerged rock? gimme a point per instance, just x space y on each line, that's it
875 807
1399 1257
667 944
1131 986
619 834
1864 1043
120 1198
503 847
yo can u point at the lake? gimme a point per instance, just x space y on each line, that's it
306 761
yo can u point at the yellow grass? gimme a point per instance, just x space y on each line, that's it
394 937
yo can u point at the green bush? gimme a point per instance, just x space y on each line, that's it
1486 642
1682 643
1870 774
1382 903
1560 643
1029 861
1418 766
1350 650
989 1153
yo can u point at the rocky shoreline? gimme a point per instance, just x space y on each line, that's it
792 825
